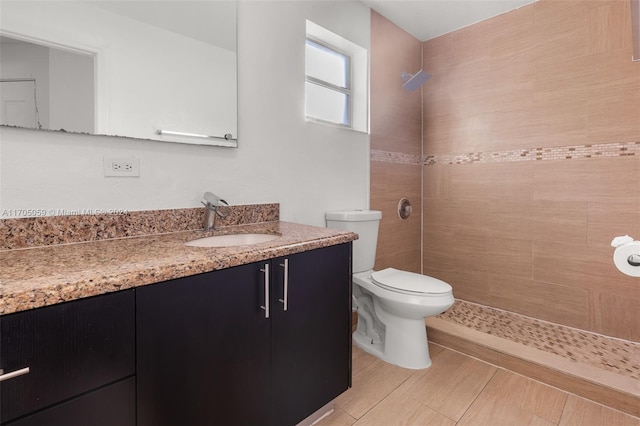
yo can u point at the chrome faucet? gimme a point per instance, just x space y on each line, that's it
212 204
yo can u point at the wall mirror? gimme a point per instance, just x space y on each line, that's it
150 69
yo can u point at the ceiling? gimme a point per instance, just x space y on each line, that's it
426 19
211 20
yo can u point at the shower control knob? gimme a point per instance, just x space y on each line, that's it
404 208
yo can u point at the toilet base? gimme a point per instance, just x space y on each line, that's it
410 353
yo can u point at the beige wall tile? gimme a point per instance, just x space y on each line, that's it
581 266
435 180
595 180
609 220
398 240
554 303
482 217
438 130
609 26
616 315
453 249
396 126
553 220
614 110
395 113
562 263
491 181
533 236
561 29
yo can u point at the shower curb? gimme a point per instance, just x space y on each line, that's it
588 381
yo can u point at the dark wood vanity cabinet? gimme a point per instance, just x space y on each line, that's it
203 348
311 340
220 348
81 360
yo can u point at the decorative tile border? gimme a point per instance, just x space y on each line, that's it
394 157
616 149
607 353
50 230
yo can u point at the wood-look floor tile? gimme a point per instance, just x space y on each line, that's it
451 384
400 409
521 392
372 381
582 412
337 418
491 411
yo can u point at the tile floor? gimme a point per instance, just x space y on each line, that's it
459 390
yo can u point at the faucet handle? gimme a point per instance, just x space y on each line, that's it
214 199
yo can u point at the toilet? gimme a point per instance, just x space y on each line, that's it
391 304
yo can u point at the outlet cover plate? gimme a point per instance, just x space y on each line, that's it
121 166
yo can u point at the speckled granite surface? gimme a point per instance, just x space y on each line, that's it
35 277
52 259
92 226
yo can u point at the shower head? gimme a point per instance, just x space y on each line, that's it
413 82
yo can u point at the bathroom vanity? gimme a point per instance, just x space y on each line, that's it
189 336
220 348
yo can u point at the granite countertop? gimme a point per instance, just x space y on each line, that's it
35 277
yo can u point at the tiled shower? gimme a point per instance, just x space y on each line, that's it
520 158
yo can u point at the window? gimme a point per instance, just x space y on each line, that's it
335 79
328 84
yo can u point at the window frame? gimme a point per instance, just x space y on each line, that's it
348 90
358 73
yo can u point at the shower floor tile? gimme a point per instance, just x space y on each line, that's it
615 355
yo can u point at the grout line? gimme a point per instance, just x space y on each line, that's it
481 391
564 406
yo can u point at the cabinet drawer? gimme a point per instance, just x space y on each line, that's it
70 348
109 406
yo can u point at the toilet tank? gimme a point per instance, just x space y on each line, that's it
365 224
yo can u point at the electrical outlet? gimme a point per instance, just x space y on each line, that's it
122 166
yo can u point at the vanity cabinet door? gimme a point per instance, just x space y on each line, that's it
311 340
70 348
203 350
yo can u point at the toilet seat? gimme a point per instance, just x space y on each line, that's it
409 282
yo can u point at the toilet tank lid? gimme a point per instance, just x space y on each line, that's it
354 215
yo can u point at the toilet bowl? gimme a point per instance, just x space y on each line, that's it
391 304
391 320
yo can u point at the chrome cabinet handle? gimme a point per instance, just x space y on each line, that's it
266 290
285 300
13 374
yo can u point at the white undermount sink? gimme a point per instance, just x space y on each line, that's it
231 240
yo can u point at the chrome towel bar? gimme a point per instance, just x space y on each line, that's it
226 137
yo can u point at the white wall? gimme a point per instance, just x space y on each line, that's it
307 168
